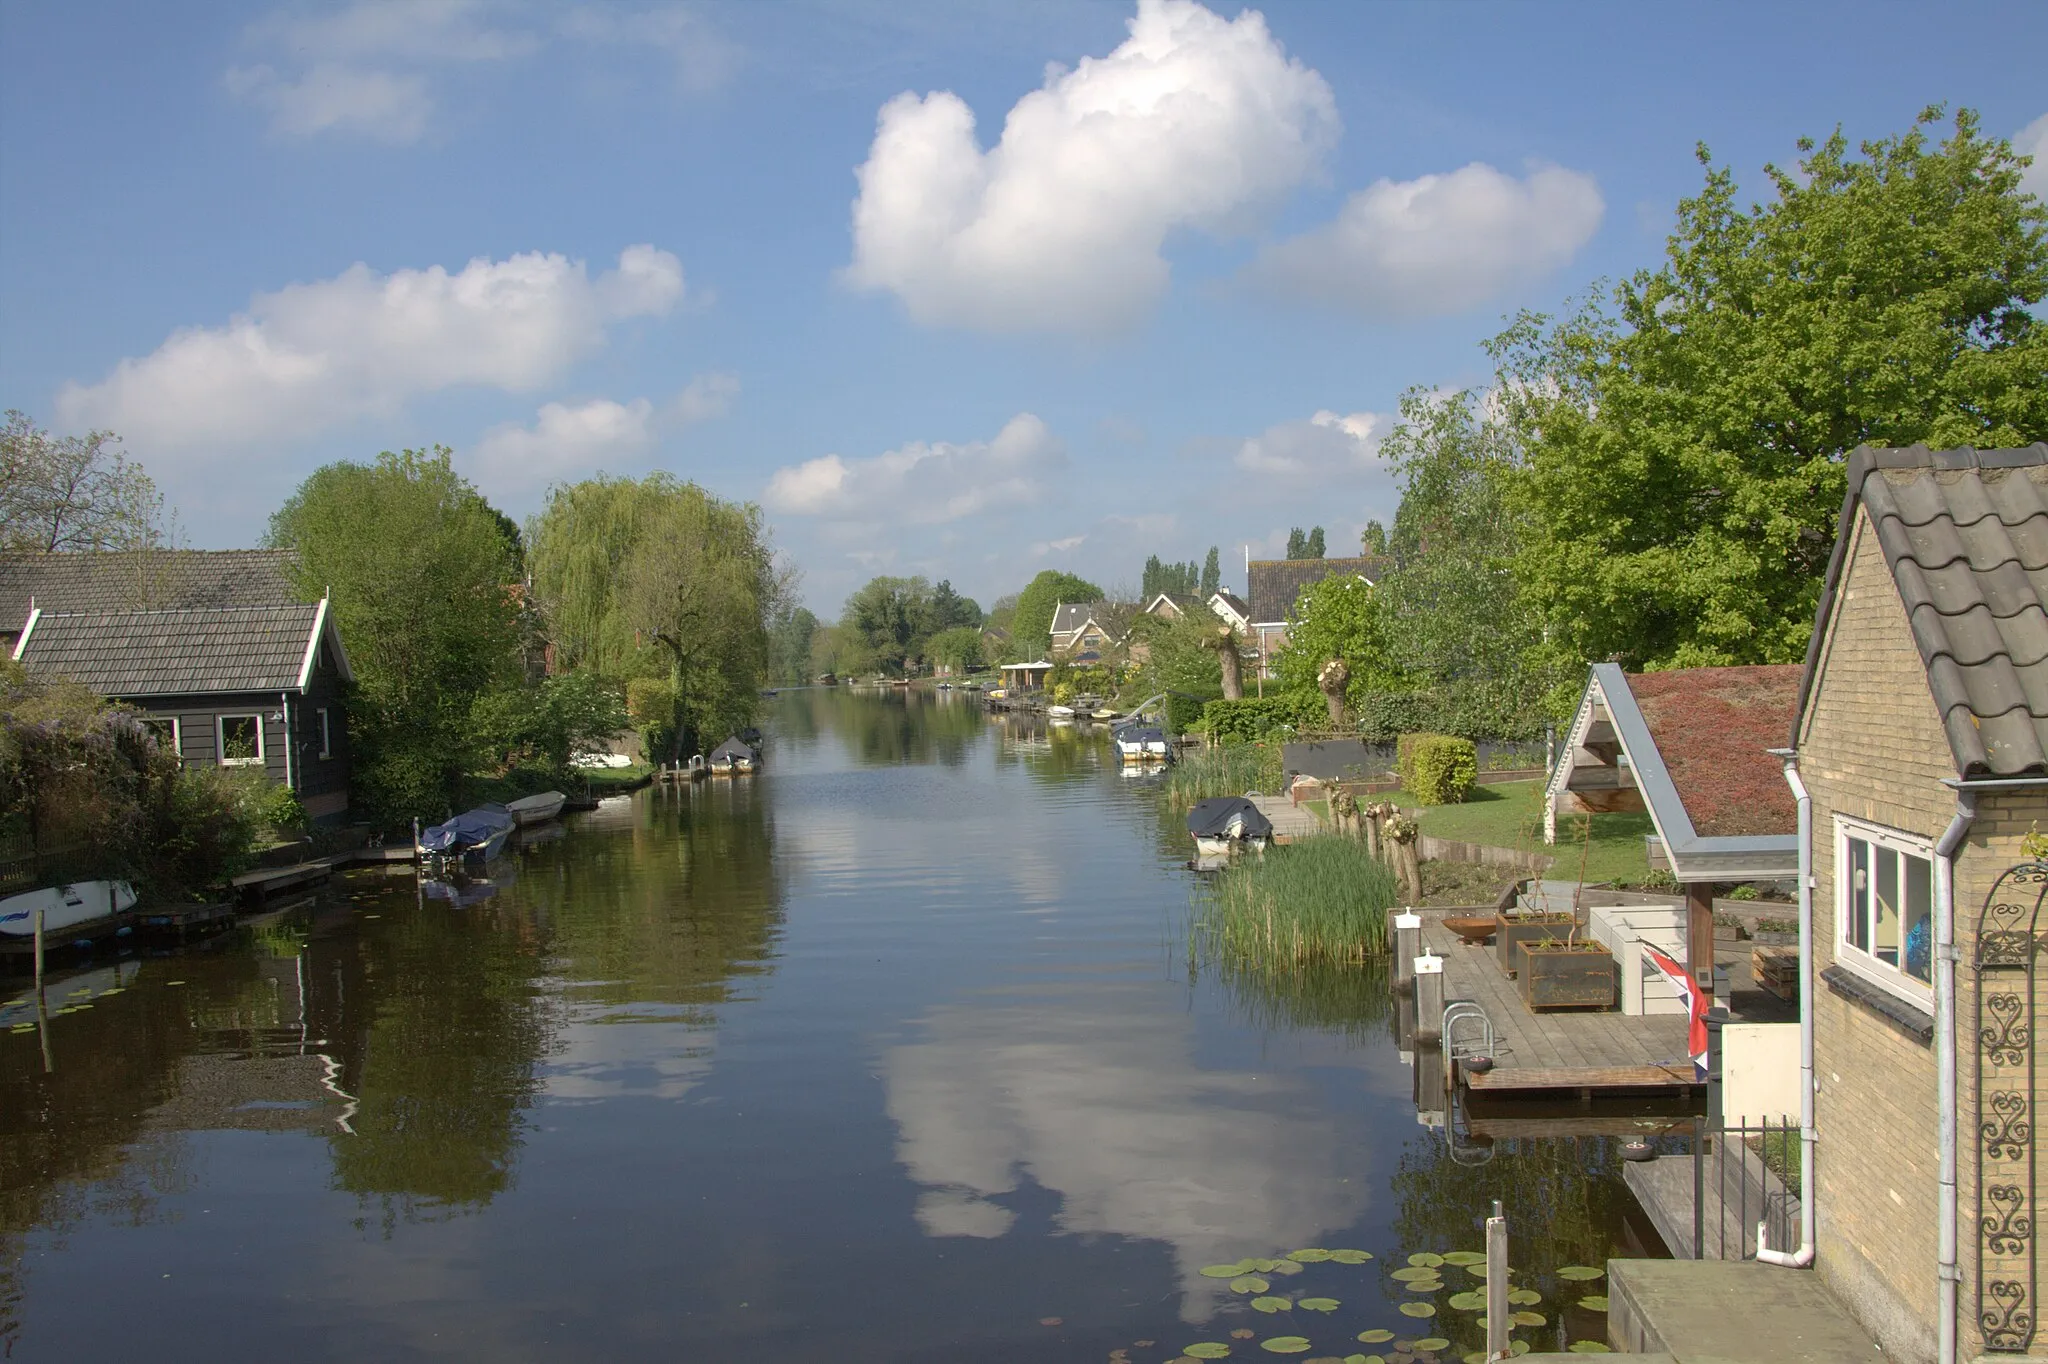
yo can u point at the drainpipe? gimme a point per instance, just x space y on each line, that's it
284 713
1802 1257
1950 1267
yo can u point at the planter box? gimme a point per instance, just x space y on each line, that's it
1512 930
1563 978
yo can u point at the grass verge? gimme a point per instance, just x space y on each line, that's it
1322 900
1510 815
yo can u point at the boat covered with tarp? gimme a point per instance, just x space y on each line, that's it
1142 743
1223 824
474 835
734 756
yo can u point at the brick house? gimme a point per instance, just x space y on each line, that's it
1921 740
1272 586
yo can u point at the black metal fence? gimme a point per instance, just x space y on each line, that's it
1745 1175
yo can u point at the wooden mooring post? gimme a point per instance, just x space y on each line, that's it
39 952
42 1010
1407 943
1497 1319
1429 999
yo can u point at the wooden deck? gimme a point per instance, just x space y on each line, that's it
1290 821
1573 1052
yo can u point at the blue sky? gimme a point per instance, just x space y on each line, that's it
1162 293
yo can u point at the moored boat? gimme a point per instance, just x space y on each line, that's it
472 836
1142 743
1223 824
536 809
735 757
64 906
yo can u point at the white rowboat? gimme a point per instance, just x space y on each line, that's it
64 906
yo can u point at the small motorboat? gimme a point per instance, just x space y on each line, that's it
473 836
733 758
1142 743
1060 712
539 809
64 906
1105 714
1223 824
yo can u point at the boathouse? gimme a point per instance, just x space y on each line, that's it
1921 737
229 686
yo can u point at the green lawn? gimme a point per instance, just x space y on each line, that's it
1510 815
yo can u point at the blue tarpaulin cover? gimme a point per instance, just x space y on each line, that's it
470 829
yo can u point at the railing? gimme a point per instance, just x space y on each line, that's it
1745 1175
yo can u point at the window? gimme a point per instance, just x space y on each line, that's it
165 728
1884 897
326 735
241 740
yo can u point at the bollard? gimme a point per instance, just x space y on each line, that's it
1429 999
1407 942
1497 1317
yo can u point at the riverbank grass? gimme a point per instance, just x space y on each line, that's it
1229 770
1319 900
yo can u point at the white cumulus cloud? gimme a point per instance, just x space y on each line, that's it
568 440
1325 444
924 483
2032 140
1194 121
1438 244
312 356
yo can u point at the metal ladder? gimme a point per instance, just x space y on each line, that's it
1476 1037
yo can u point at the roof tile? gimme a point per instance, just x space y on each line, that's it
125 654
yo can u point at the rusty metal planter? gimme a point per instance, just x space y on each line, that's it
1512 930
1566 977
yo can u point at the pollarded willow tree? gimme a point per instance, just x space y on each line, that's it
656 578
1684 450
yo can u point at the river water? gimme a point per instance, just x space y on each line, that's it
896 1051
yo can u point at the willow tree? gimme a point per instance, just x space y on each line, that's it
657 578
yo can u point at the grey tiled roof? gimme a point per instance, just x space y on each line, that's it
1276 583
164 579
1965 534
1068 617
125 654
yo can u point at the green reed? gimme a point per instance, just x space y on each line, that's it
1230 770
1324 899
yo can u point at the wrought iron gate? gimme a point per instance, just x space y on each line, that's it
2007 959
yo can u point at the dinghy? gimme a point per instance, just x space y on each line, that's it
64 906
1142 743
538 809
1223 824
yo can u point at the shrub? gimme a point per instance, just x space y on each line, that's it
204 831
1436 768
1255 717
1183 713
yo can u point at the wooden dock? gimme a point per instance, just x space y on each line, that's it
1289 820
1557 1054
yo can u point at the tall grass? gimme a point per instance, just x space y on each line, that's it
1230 770
1322 900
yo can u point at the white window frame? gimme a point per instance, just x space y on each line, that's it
177 730
326 734
1893 979
220 738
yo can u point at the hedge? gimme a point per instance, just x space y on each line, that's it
1436 769
1470 710
1255 717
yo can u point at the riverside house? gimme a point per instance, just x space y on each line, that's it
1921 739
1273 585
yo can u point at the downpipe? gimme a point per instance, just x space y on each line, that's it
1802 1257
1950 1267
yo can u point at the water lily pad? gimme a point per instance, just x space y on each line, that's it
1249 1283
1286 1345
1469 1301
1519 1347
1225 1271
1311 1256
1285 1267
1589 1347
1318 1304
1365 1359
1350 1257
1463 1257
1241 1334
1596 1303
1524 1297
1206 1349
1580 1272
1424 1285
1414 1272
1375 1336
1432 1343
1264 1266
1270 1304
1418 1309
1425 1259
1528 1318
1478 1271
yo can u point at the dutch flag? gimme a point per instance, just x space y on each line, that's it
1695 1006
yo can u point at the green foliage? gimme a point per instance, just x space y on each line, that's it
420 573
1180 580
549 726
1322 900
958 648
1341 617
72 493
1437 768
791 635
1183 712
1174 655
1230 770
1212 575
1031 626
1255 717
1683 451
1482 708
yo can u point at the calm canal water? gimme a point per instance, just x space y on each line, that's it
895 1052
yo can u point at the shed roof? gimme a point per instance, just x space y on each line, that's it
130 654
1965 535
1274 584
1237 604
152 579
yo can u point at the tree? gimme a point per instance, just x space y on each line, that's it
1297 543
1313 547
1212 575
72 493
1222 640
1684 450
887 617
422 585
958 648
948 609
1341 620
790 637
1031 627
1373 540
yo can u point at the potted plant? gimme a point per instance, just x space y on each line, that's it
1566 973
1510 931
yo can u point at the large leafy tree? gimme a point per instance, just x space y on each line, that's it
1684 447
790 637
889 618
424 590
1031 626
61 493
1341 621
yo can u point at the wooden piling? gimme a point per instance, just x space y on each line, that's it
1497 1317
1407 943
39 952
1429 999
